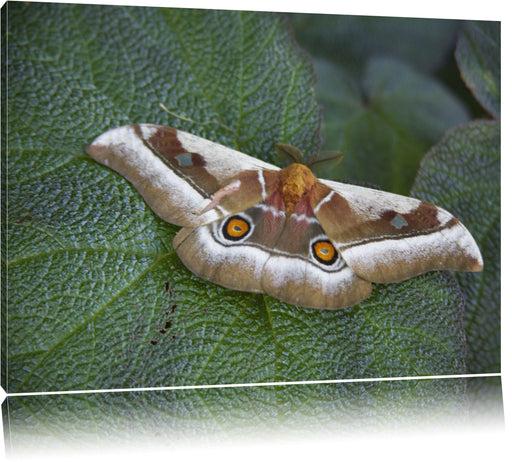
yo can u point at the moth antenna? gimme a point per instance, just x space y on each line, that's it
289 154
327 159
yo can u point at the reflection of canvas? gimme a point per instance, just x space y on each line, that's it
181 419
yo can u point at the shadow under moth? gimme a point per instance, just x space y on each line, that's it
251 226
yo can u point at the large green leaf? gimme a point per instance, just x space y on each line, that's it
89 263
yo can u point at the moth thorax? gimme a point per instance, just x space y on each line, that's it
297 180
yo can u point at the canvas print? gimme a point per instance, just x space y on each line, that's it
295 202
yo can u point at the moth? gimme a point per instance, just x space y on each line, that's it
251 226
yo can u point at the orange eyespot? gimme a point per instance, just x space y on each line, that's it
325 252
236 228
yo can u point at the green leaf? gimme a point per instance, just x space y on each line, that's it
351 41
478 56
462 174
97 297
385 123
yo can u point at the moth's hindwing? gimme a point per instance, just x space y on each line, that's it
259 250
